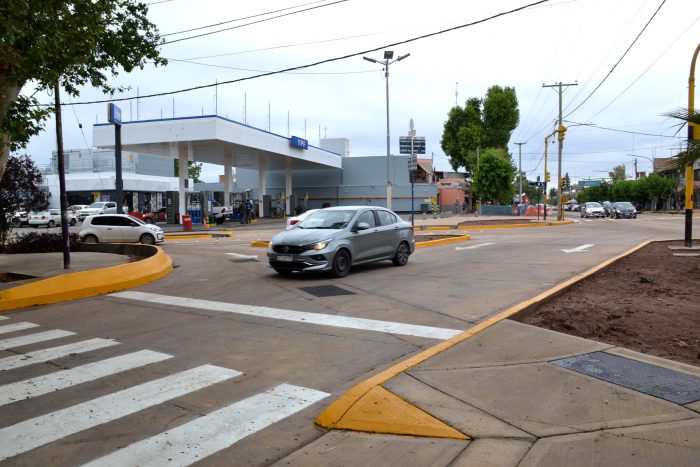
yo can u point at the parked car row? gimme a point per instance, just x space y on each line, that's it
617 210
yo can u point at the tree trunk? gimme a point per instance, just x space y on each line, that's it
8 93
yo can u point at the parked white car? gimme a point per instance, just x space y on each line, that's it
101 207
119 228
50 218
76 208
294 220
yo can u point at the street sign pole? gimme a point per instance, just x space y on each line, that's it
115 118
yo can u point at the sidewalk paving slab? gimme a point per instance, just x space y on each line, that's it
667 444
350 449
493 453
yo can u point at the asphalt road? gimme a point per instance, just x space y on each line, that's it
225 342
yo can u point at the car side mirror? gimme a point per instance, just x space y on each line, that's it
361 226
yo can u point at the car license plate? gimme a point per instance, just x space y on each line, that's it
284 257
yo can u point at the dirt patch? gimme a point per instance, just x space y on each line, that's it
648 301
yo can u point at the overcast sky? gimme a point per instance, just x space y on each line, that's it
560 40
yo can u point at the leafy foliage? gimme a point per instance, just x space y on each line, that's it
36 242
494 179
71 42
638 191
692 152
20 189
194 170
482 123
618 174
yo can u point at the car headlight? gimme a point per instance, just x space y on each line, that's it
317 246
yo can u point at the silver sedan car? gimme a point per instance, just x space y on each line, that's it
334 239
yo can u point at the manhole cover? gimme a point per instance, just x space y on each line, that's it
656 381
326 291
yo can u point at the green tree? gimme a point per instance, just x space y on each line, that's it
20 189
482 123
494 179
618 174
692 152
194 170
73 43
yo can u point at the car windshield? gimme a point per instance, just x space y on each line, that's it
327 220
624 205
594 205
137 220
96 205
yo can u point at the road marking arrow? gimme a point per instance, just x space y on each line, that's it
471 247
578 249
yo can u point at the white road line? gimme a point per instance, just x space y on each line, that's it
35 387
472 246
195 440
29 434
33 338
44 355
16 327
297 316
3 317
240 256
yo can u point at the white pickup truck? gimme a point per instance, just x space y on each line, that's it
221 213
101 207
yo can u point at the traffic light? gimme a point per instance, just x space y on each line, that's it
561 132
563 181
546 176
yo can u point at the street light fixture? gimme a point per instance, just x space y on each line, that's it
388 55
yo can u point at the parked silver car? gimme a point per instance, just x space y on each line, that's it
592 209
334 239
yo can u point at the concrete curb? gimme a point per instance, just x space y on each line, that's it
90 283
513 226
441 241
333 417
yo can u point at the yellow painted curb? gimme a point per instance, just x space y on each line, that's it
513 226
334 414
437 227
441 241
87 283
382 411
187 236
260 243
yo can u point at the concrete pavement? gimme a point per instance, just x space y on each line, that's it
501 394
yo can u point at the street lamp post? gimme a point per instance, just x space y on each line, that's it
388 56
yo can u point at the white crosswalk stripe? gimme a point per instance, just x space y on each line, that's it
29 434
45 355
297 316
33 338
195 440
35 387
16 327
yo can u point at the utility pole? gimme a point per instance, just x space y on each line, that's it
63 197
636 173
561 129
520 174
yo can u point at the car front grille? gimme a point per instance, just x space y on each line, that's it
292 249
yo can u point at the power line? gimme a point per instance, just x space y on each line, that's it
593 125
300 67
192 62
241 19
618 62
252 22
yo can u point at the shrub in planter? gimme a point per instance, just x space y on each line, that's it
36 242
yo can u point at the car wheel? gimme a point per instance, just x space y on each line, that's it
17 223
90 239
147 239
50 224
402 254
73 221
341 263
